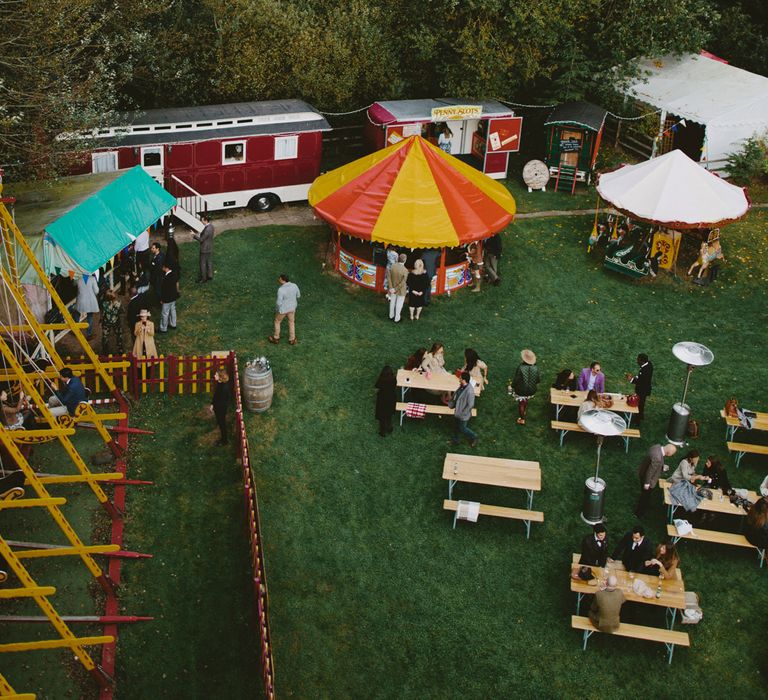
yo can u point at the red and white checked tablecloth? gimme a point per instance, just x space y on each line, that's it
416 410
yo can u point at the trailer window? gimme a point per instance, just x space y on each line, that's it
286 147
104 162
233 152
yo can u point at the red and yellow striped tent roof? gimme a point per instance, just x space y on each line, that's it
412 194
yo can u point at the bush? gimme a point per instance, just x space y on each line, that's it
751 162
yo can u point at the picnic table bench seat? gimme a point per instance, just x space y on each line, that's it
565 427
527 516
669 638
742 448
717 537
432 409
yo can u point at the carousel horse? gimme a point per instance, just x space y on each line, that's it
708 253
598 233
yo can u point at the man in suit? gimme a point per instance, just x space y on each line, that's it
649 472
594 547
592 378
69 397
156 268
606 607
396 284
642 381
205 238
169 293
491 256
634 549
429 257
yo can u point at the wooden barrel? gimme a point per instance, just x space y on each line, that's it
258 387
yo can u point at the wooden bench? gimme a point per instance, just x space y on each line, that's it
564 428
432 409
742 448
669 638
718 538
527 516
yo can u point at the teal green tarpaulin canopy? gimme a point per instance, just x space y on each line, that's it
101 226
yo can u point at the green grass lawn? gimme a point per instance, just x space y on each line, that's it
372 594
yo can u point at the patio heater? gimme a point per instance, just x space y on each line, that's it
694 355
601 423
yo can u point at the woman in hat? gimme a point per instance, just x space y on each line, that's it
527 377
145 336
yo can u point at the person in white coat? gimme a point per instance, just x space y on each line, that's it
87 301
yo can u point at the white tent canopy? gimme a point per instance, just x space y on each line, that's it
731 103
674 191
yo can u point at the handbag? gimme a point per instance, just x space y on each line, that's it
731 408
633 400
683 527
693 428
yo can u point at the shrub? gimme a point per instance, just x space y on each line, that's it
751 162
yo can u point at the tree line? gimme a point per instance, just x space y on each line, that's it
72 65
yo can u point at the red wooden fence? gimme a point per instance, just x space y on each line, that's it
178 375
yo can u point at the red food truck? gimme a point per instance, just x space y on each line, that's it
213 157
482 134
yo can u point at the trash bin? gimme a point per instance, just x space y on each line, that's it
678 424
594 501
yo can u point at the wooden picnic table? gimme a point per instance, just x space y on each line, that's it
438 381
672 590
719 503
562 397
759 422
492 471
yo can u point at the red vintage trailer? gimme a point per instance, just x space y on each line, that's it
213 157
482 134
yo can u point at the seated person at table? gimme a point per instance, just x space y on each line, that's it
665 562
592 378
565 381
756 524
606 607
686 470
634 549
478 370
715 473
434 360
592 401
414 361
68 398
594 547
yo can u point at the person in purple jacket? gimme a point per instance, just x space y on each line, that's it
592 378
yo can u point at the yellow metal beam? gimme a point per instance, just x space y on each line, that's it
7 691
66 551
8 224
71 642
68 639
54 510
26 592
79 478
32 503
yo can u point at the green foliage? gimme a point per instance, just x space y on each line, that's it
742 34
750 163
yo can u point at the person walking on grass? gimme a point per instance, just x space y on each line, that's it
87 301
463 402
397 284
288 295
110 323
205 238
417 282
491 255
524 383
169 293
222 397
386 398
649 472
